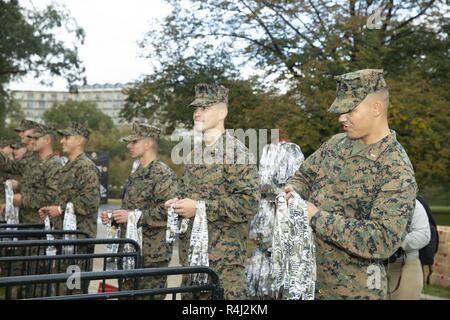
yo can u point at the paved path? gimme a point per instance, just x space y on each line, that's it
173 281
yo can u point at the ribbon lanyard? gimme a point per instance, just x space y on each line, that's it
69 223
198 248
134 233
11 213
293 254
50 250
112 232
173 228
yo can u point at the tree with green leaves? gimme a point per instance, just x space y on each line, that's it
296 47
84 112
29 46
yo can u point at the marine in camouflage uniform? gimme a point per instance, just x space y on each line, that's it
40 189
4 143
20 169
229 186
147 189
30 158
365 194
79 183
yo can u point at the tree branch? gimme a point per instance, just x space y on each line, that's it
279 52
421 12
319 17
296 30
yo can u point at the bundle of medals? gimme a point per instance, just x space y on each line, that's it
173 226
133 233
51 250
11 212
69 223
112 232
198 248
293 251
279 161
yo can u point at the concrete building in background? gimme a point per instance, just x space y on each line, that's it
108 98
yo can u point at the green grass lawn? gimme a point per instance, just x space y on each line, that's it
440 209
114 202
441 215
437 291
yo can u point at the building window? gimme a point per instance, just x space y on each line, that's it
54 96
30 104
42 104
42 95
30 95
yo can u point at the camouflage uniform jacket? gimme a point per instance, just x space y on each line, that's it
19 167
39 189
79 183
230 190
18 170
147 189
366 198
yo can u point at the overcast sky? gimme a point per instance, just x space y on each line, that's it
113 27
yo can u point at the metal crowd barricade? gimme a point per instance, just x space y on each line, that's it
212 286
15 235
22 226
38 263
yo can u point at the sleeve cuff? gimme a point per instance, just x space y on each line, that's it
322 223
212 209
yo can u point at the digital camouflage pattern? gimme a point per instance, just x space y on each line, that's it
19 170
75 129
39 189
19 167
79 183
26 125
142 131
5 142
41 131
231 195
353 88
366 197
147 189
207 95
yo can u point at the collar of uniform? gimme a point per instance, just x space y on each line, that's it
80 156
216 144
200 148
50 157
373 151
30 154
142 170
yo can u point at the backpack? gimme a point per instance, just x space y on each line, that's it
427 253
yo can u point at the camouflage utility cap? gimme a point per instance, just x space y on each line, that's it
353 88
6 142
141 131
75 129
207 95
26 125
41 131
